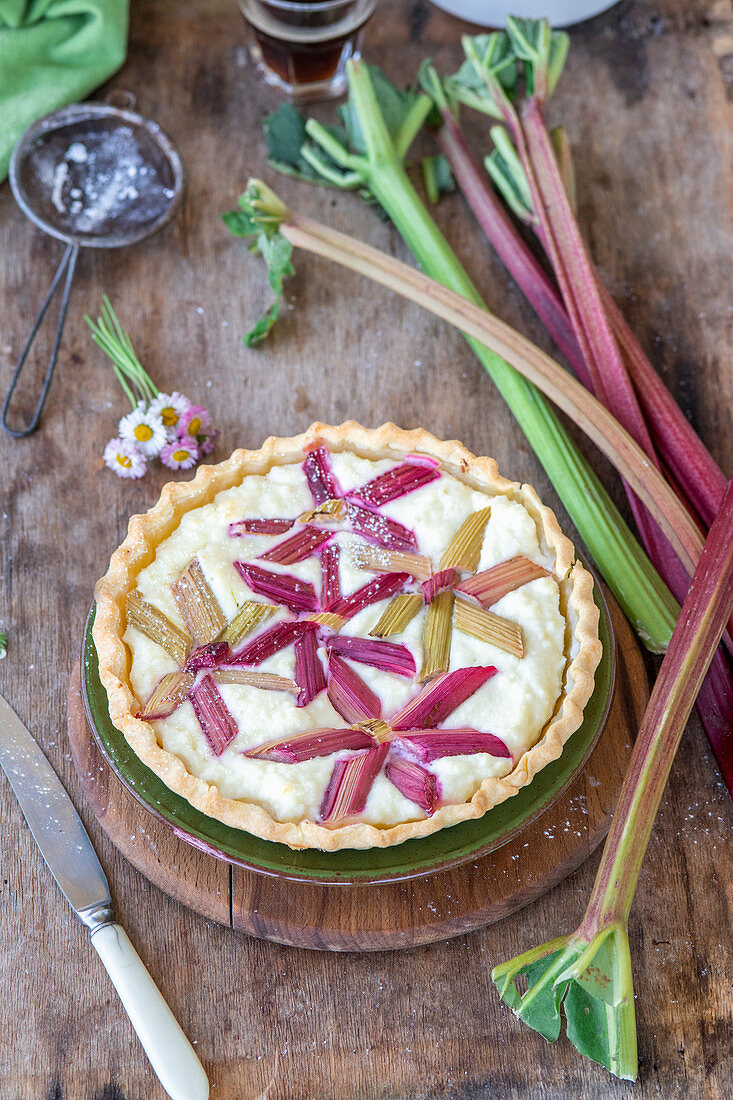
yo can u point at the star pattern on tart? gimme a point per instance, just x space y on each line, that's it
213 651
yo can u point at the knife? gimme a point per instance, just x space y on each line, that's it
65 845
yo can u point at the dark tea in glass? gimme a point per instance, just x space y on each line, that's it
302 47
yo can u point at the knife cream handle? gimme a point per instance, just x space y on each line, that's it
170 1053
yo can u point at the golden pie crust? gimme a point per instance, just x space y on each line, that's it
146 532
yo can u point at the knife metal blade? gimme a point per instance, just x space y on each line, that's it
56 826
58 831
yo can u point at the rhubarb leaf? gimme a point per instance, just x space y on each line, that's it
488 76
285 136
539 1007
542 50
276 251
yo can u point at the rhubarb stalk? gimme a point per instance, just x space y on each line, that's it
637 586
680 448
374 161
587 974
597 325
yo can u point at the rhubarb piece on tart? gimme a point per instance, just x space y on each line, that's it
347 639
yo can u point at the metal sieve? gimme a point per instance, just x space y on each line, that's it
94 175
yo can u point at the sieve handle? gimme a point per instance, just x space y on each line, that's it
67 265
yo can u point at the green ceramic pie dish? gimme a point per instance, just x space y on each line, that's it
412 859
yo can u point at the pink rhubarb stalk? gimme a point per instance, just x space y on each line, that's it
270 641
432 744
588 973
414 782
215 719
678 445
441 697
395 483
381 588
380 529
349 695
305 542
320 477
489 586
259 527
330 572
511 247
309 673
209 656
439 582
681 450
350 784
292 592
310 744
387 656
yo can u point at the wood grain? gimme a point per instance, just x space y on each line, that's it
647 100
394 915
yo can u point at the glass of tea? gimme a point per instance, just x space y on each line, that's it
302 46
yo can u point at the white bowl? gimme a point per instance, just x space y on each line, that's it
493 13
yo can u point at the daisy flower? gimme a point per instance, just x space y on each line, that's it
194 421
181 454
170 407
124 458
144 430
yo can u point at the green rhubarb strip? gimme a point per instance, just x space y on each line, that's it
634 581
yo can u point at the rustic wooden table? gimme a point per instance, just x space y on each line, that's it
647 102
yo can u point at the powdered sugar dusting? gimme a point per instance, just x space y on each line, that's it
102 178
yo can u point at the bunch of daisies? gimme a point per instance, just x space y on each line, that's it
161 425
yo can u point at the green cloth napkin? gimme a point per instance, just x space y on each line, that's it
53 52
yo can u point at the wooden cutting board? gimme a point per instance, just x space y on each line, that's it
400 914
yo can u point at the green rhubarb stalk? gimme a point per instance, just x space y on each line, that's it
587 974
555 383
376 166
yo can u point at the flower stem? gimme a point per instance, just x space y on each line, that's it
108 333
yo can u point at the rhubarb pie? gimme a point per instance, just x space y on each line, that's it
347 639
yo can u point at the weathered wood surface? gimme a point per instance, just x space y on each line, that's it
647 103
393 915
